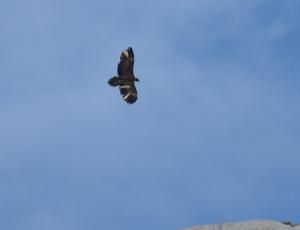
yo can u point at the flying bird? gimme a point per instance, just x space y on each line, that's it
125 79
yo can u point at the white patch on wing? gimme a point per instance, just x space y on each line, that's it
126 96
125 52
124 87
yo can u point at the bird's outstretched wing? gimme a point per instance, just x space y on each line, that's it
128 92
125 66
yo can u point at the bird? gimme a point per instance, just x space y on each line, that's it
125 78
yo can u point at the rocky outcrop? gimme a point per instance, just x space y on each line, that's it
249 225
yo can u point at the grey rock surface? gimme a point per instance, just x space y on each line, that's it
247 225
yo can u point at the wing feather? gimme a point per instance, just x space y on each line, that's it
125 66
128 92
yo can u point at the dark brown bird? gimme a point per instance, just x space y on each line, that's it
125 79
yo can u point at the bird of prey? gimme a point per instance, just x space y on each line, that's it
125 79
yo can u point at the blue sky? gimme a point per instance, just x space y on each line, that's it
214 136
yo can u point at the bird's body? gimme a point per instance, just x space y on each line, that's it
125 79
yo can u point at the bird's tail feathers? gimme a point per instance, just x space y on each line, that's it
114 81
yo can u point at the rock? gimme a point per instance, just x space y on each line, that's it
249 225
